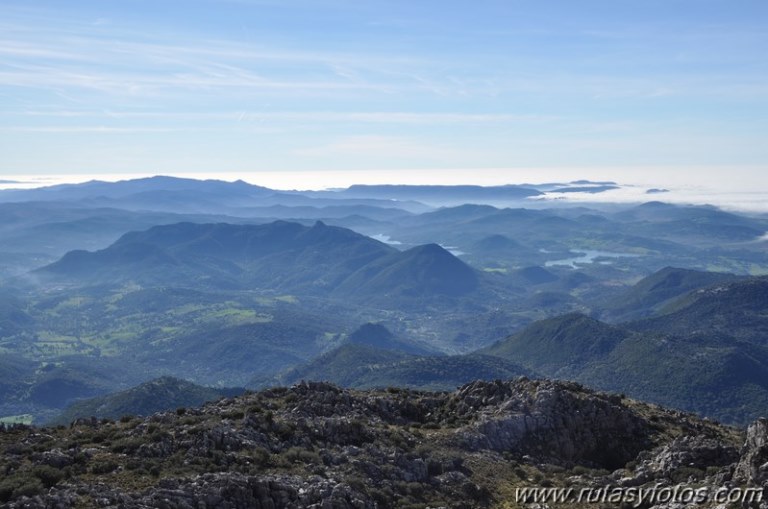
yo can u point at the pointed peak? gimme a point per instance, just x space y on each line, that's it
430 248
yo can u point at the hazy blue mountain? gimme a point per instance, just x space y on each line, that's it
452 215
44 388
657 211
710 356
713 375
655 235
593 189
704 224
173 194
651 293
378 336
323 212
200 291
364 366
333 198
496 243
463 226
737 309
274 255
663 234
156 193
37 233
344 365
13 370
158 395
534 275
121 189
58 384
420 272
553 302
231 355
560 346
13 318
574 280
440 195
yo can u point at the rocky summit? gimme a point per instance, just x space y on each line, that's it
317 445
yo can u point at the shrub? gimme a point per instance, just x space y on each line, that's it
127 445
299 455
48 475
28 488
579 470
104 467
18 486
260 456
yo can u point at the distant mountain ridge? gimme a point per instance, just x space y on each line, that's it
649 295
378 336
223 294
282 256
363 366
437 194
708 355
158 395
736 307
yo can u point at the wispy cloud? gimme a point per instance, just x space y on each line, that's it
342 84
379 148
86 129
321 117
26 50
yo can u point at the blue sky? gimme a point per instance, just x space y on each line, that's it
211 86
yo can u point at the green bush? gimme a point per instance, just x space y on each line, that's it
19 486
299 455
260 456
49 476
579 470
104 467
127 445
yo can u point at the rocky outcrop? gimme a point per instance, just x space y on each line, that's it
753 465
316 445
218 491
561 423
685 457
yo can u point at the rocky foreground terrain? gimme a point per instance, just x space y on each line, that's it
316 445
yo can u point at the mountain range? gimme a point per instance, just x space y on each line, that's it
279 256
707 354
104 286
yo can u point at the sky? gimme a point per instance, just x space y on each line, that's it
448 91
